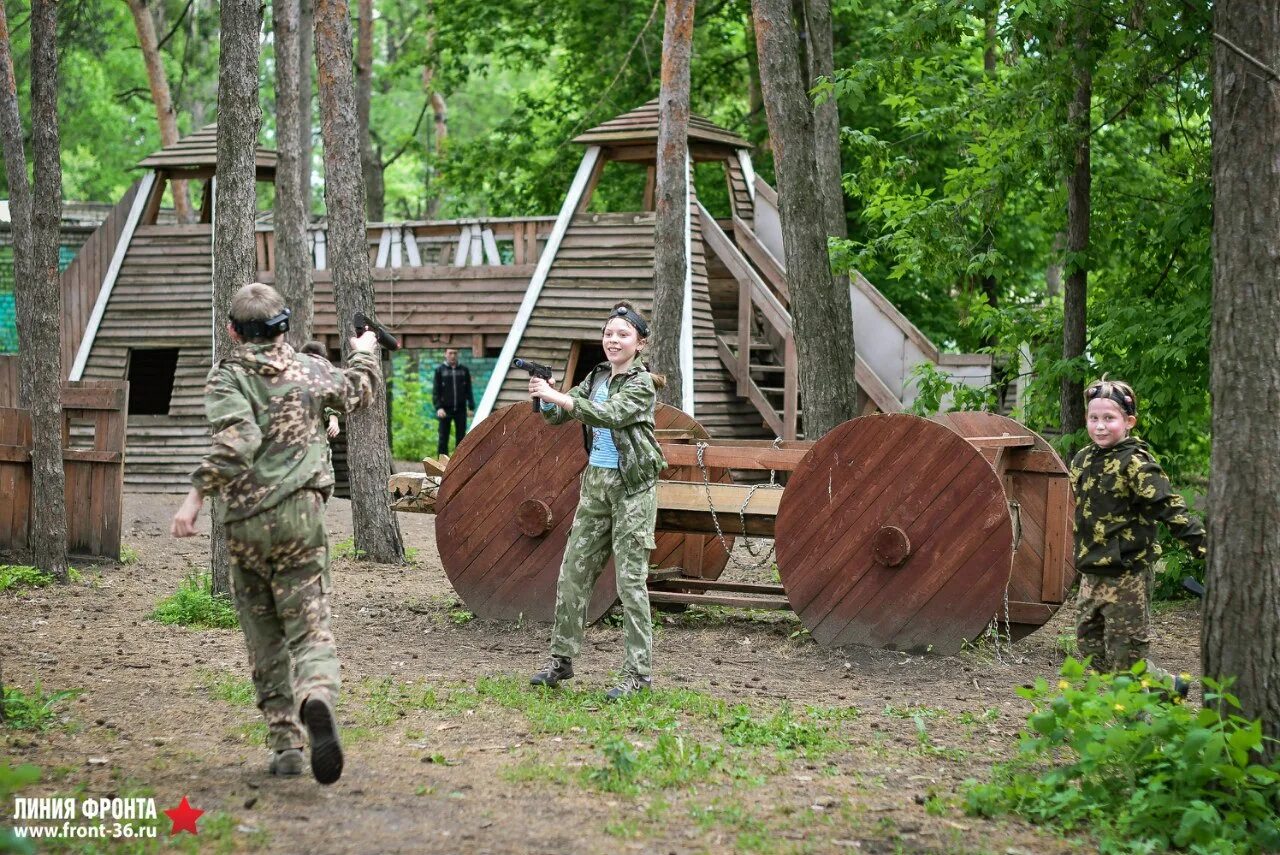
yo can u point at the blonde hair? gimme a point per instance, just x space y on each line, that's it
1114 390
256 302
659 380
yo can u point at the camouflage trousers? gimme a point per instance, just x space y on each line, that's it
280 578
1114 619
608 521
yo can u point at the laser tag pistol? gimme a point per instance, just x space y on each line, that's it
535 370
385 339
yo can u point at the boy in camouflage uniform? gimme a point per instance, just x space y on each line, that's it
618 506
1121 493
269 465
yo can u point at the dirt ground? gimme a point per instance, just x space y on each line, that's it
449 751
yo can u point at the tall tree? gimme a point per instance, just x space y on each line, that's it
822 318
370 157
1241 630
306 62
293 261
377 532
235 200
439 113
166 116
1079 182
671 198
826 115
36 213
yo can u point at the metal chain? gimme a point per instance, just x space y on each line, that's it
1015 516
742 512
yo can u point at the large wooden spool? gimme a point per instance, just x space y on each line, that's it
1035 478
894 532
506 503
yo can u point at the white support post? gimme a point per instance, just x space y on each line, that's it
397 244
748 172
411 248
384 247
490 247
464 247
686 313
576 189
322 256
113 271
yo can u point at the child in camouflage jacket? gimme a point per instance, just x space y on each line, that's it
1121 493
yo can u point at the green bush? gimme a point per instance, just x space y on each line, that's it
35 710
196 605
13 779
1113 756
413 424
14 576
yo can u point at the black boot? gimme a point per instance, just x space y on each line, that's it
559 668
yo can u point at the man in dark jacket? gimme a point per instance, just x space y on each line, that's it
452 397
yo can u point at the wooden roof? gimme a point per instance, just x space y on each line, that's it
200 151
641 125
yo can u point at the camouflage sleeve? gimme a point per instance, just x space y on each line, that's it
633 400
559 415
355 383
1152 487
236 435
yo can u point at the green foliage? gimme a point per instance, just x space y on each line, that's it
939 392
12 780
346 548
782 730
1112 755
414 430
196 605
231 688
15 576
35 710
672 761
128 555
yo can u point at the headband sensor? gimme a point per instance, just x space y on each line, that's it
632 318
270 328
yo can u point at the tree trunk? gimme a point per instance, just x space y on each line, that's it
1079 180
306 32
37 217
757 127
370 162
821 316
166 116
1241 631
439 116
377 532
235 199
292 260
826 116
670 260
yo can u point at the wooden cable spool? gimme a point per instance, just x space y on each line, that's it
506 503
1033 476
894 532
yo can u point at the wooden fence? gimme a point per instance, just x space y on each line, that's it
93 439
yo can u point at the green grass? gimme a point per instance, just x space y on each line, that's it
229 687
35 710
17 576
128 555
196 606
384 700
347 549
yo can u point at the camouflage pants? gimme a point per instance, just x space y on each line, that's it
280 578
608 521
1115 619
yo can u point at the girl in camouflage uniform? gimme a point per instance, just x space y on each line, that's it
618 506
1121 492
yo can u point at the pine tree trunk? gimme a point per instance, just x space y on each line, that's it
757 127
826 116
293 260
1241 631
821 315
377 532
235 200
439 116
166 116
370 162
306 58
670 260
36 212
1079 181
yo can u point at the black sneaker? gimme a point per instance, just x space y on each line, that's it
326 750
557 669
632 684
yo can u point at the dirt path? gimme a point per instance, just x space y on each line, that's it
448 751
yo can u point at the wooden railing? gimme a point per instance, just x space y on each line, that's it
433 243
756 299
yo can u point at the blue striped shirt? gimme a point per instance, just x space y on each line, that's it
604 453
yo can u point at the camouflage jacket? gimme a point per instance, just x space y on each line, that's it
265 404
627 414
1121 492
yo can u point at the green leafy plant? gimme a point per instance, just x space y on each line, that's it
414 429
1113 755
34 710
346 548
13 576
12 780
196 605
128 555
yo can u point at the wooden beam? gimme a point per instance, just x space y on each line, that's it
692 584
1057 540
772 603
754 395
732 457
725 498
1005 441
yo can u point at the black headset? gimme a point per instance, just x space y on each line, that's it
270 328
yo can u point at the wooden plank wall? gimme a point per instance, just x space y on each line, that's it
605 258
93 431
82 280
9 380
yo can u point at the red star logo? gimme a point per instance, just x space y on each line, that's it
184 817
